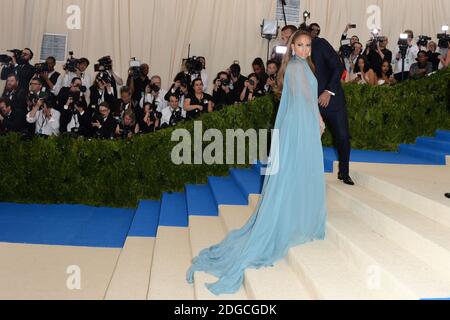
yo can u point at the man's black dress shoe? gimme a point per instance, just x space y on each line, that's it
447 195
346 179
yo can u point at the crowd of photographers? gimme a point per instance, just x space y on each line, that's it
38 100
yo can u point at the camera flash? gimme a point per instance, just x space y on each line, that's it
403 36
445 28
281 49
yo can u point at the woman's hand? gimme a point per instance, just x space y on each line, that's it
322 125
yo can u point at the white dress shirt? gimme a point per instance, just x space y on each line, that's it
66 81
48 127
410 59
159 100
167 115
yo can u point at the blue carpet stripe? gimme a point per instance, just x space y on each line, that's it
434 144
65 225
146 219
200 201
226 191
248 180
437 157
443 135
173 210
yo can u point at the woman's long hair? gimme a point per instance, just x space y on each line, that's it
288 56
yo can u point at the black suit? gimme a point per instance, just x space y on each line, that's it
329 70
108 129
18 99
95 97
14 122
24 72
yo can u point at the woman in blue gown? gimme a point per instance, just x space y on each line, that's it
292 206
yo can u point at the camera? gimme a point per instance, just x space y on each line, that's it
175 118
444 40
41 68
251 82
154 88
104 64
5 59
103 76
423 41
193 65
135 68
71 63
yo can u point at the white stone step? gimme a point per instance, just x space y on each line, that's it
393 271
131 276
279 282
422 237
327 274
171 259
420 190
205 232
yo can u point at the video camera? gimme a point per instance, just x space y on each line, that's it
6 59
41 67
193 65
444 40
71 63
104 64
422 41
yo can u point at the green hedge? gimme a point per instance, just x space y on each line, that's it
120 173
113 173
383 117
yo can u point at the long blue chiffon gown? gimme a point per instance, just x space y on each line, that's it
292 207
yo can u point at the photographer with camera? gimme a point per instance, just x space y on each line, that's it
125 104
11 120
354 38
181 88
433 56
350 61
15 94
155 94
251 89
105 64
127 126
77 119
422 67
102 91
45 117
49 75
260 70
378 52
138 83
237 82
103 124
75 92
74 68
195 68
198 101
222 94
272 71
150 120
19 65
410 57
174 114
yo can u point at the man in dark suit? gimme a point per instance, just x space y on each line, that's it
15 94
11 120
21 67
332 103
104 125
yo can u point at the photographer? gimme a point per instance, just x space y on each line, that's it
377 55
251 89
286 33
260 70
125 104
411 55
204 73
198 102
222 94
103 124
350 61
422 67
51 76
20 66
272 71
80 117
75 92
127 127
237 82
181 88
433 56
150 120
15 94
11 120
76 71
172 115
102 91
353 39
106 64
138 85
45 117
154 94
